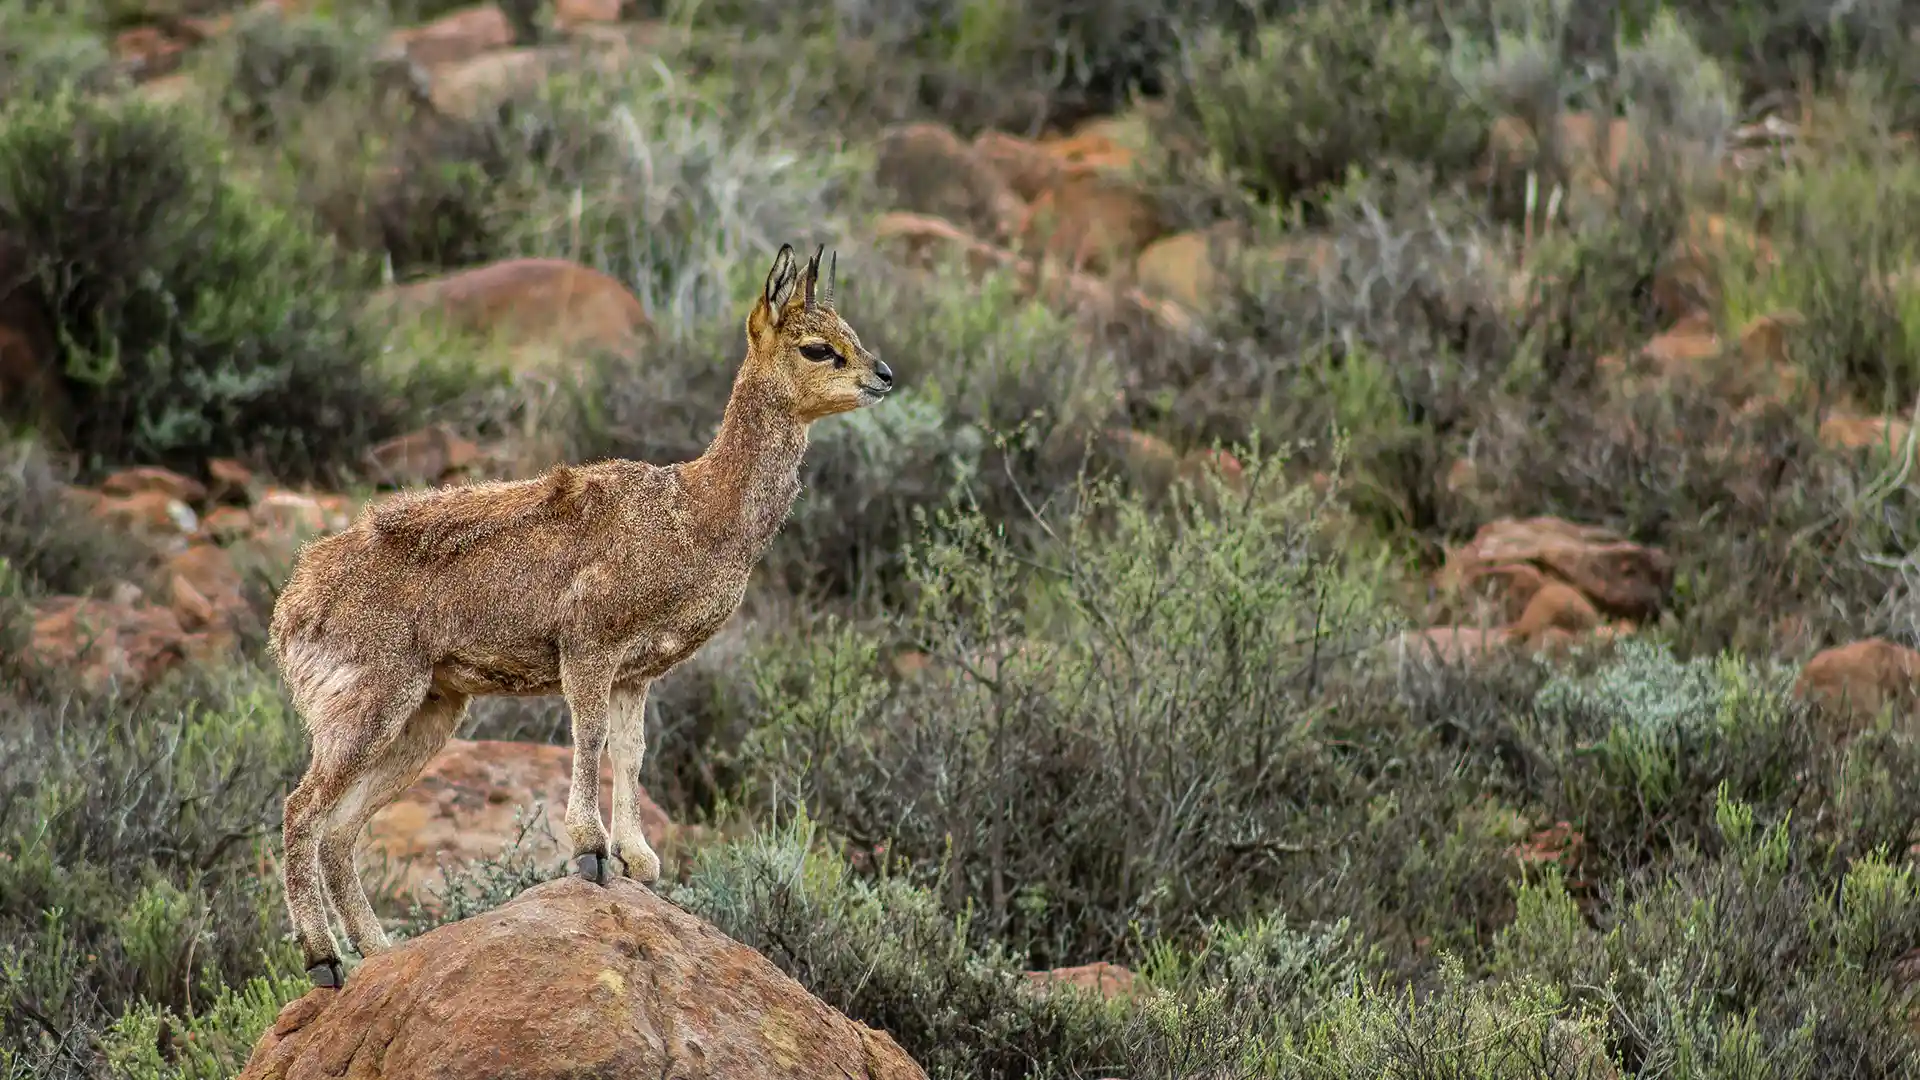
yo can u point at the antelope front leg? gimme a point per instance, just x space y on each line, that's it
587 682
627 739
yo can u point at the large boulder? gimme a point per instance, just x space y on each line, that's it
1851 685
573 979
547 302
1622 579
928 170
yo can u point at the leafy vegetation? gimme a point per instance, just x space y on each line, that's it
1019 686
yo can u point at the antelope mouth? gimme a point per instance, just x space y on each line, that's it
874 392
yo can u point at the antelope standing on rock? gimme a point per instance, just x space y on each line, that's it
590 581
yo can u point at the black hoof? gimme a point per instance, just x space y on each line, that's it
594 867
327 975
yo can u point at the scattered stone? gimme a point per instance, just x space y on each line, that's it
225 524
232 482
193 609
282 511
550 302
210 572
109 641
455 36
1621 578
1109 981
1184 267
1556 606
151 515
1843 429
1850 685
1450 646
147 478
1091 221
928 170
573 979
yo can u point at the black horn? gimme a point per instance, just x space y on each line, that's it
813 275
833 273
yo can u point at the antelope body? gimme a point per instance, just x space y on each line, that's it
589 581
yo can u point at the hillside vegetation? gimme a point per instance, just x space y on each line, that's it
1398 530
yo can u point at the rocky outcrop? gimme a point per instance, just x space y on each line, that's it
573 979
1620 578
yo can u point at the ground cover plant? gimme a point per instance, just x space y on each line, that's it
1099 641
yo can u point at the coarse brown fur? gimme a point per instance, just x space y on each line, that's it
590 581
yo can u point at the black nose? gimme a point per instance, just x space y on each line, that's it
881 369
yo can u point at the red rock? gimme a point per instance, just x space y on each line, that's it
926 169
1557 606
571 13
152 515
455 36
148 52
1849 431
106 641
1109 981
1089 220
290 511
232 481
1621 578
147 478
572 979
433 455
210 572
226 524
1452 646
1852 684
527 301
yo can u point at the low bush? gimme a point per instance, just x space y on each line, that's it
47 542
1759 959
133 868
195 319
45 49
1027 768
1323 92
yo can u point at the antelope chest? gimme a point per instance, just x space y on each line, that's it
678 635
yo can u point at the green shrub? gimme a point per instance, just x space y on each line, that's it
1839 223
195 319
1324 90
981 64
665 184
1400 340
354 136
44 50
1030 765
275 64
47 541
1760 960
1782 45
132 832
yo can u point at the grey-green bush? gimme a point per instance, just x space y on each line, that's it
195 318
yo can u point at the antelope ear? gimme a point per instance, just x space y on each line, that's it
774 296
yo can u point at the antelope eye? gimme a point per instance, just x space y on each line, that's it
818 352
